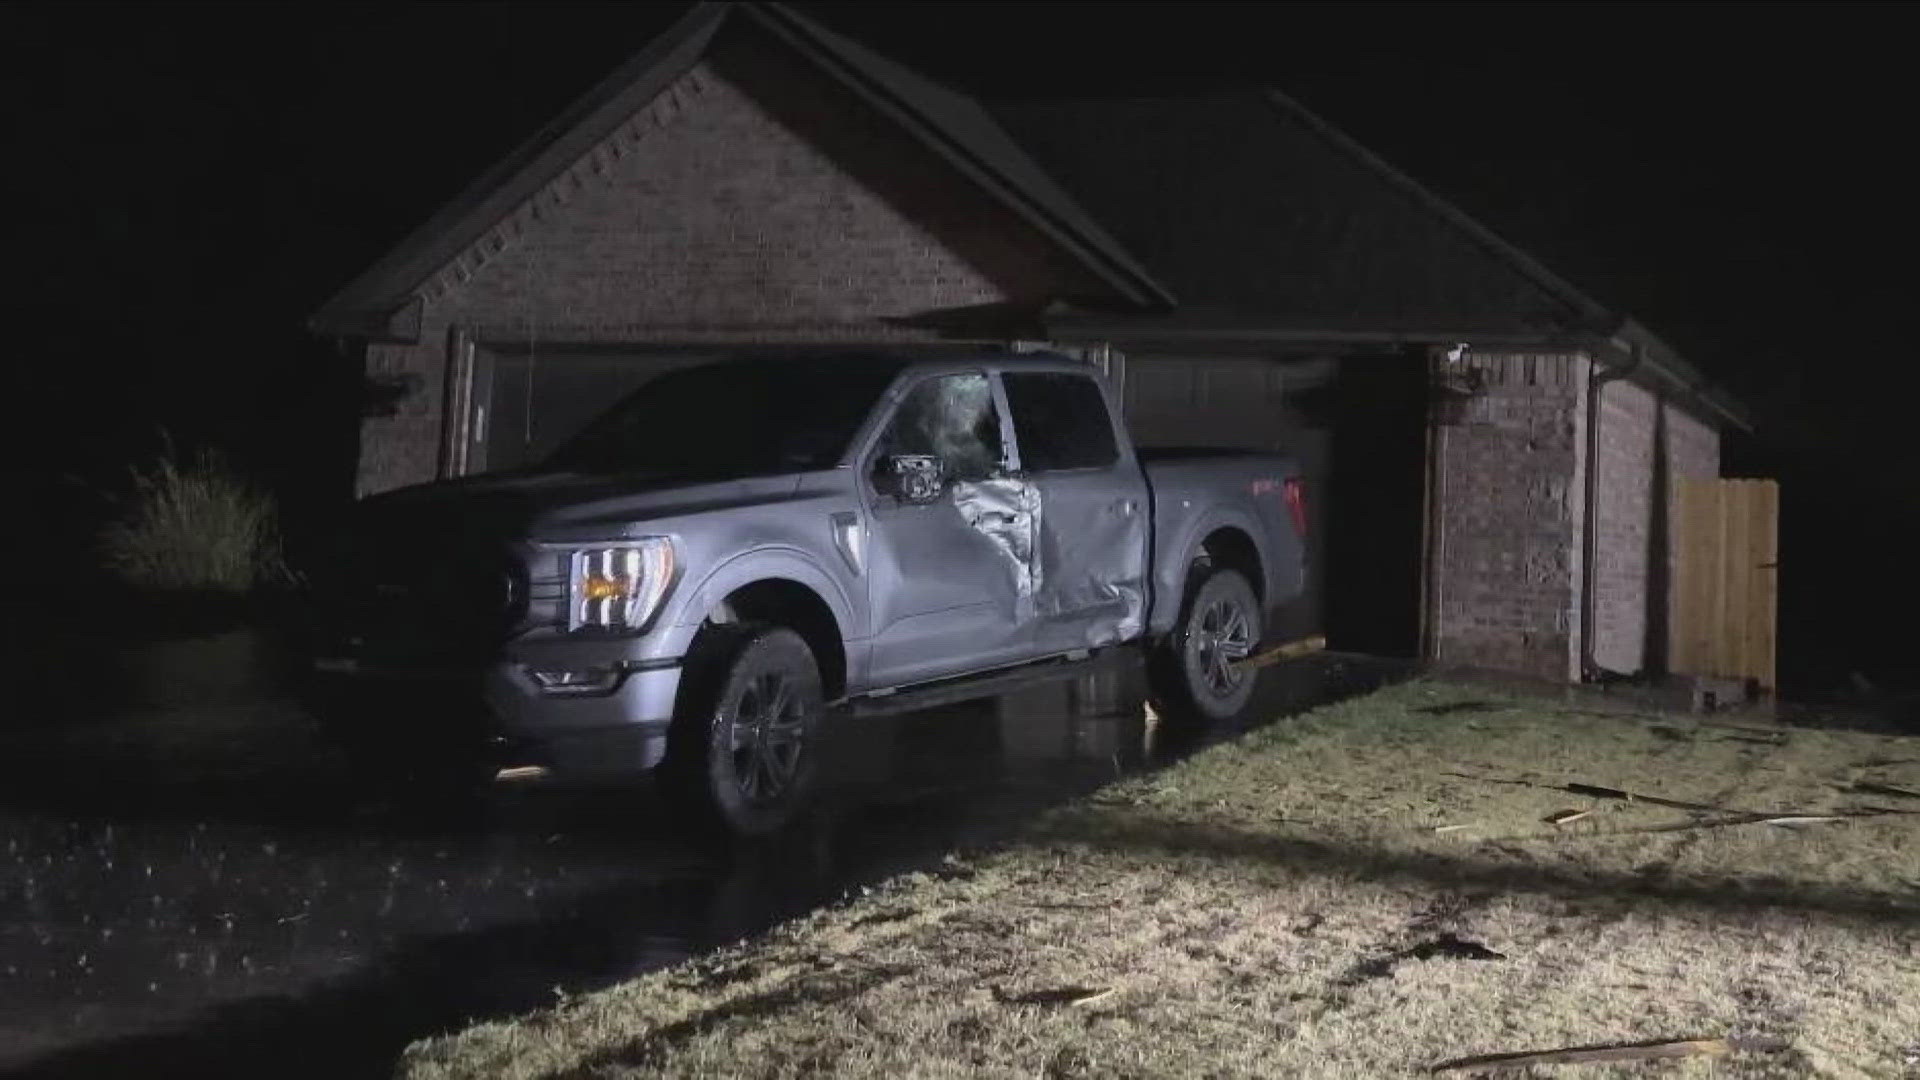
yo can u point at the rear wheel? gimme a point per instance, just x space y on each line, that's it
1195 673
744 748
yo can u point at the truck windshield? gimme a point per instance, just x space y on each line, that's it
733 419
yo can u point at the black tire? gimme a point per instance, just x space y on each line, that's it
1191 675
743 751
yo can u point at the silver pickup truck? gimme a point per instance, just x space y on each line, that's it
724 559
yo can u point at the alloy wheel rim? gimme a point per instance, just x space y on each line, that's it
767 738
1222 636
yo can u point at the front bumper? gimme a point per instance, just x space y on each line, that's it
501 715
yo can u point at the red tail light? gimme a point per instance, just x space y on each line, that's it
1297 504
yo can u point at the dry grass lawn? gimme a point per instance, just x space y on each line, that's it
1370 890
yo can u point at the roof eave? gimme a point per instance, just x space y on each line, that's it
1605 328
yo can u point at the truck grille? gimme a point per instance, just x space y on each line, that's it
434 604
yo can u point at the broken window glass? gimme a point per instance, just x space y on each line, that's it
952 418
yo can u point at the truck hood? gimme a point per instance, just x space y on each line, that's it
561 506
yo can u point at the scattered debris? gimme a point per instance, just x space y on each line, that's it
1762 736
1617 1052
1724 815
1065 995
1789 820
1598 792
1608 714
1886 789
1446 945
1451 707
1452 947
1876 811
1627 796
880 917
1290 651
1712 694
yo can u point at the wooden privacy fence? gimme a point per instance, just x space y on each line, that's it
1726 536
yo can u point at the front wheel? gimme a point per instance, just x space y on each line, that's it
745 747
1197 672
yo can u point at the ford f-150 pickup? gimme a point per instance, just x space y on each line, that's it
704 575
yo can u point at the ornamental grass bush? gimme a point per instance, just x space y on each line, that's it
194 525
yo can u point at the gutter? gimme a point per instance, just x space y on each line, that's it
1137 333
1635 340
1628 338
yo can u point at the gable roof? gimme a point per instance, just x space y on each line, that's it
1273 225
953 126
1254 210
1263 220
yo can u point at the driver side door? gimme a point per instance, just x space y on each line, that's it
950 543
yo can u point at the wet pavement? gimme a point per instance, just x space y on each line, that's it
194 883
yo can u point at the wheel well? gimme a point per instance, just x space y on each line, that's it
1232 549
800 609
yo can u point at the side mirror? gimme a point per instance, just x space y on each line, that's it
916 478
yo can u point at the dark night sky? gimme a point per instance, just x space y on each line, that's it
201 177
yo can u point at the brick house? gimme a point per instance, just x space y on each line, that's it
1245 275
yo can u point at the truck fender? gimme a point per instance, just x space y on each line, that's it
762 564
1171 562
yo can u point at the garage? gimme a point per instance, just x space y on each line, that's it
1248 275
1357 426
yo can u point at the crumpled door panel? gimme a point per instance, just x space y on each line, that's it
1093 554
1007 512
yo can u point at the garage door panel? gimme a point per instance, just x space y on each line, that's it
535 401
1236 404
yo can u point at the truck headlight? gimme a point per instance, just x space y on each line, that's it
618 586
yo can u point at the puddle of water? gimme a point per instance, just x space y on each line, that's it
195 886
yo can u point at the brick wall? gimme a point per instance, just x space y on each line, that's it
1693 446
751 201
1642 454
1506 573
1509 526
1624 526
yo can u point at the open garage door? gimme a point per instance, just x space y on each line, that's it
526 401
1358 429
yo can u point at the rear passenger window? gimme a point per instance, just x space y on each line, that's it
1061 421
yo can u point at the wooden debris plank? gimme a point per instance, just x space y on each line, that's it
1292 650
1617 1052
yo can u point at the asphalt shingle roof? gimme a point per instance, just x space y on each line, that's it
1248 208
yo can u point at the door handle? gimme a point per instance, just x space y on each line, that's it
1125 507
